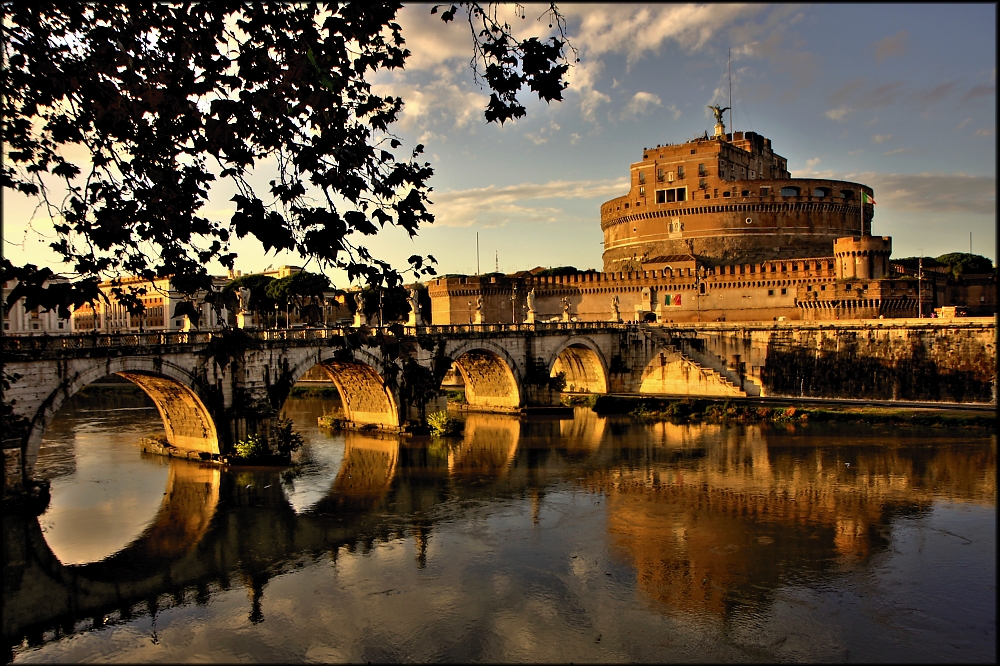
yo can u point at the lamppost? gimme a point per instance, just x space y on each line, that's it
470 302
275 315
920 283
286 313
513 305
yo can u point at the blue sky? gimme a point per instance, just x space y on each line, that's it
898 97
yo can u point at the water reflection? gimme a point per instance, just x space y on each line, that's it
586 534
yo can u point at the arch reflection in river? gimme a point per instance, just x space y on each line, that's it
488 445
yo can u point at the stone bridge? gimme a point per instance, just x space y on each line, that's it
211 391
210 394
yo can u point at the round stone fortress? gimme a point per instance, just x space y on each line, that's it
726 199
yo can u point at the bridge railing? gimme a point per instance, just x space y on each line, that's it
20 343
520 328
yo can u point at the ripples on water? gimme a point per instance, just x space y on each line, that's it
585 539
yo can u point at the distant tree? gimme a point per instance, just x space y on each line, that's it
121 116
257 284
963 262
559 270
303 290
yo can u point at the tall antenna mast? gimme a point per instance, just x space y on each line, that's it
729 67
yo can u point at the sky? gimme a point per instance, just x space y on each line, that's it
898 97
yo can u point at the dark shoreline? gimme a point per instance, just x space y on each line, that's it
786 410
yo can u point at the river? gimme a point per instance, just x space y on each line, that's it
535 540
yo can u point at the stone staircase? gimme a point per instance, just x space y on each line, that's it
712 367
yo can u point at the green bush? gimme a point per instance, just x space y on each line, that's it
288 439
251 447
442 425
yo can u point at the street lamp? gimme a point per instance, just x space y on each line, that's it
513 305
275 315
920 281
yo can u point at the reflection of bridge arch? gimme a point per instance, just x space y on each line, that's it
488 446
368 467
189 504
176 392
585 366
490 374
361 384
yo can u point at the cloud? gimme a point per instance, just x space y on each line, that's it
495 206
581 79
984 131
897 151
840 114
810 170
432 98
638 29
976 92
858 94
640 104
891 46
881 138
539 137
963 124
933 192
675 113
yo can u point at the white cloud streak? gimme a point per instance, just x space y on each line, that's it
495 206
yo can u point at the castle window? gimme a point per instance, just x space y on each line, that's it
821 192
753 175
770 292
642 176
765 191
680 171
701 170
847 194
659 175
789 191
715 192
746 193
727 194
661 196
642 190
784 291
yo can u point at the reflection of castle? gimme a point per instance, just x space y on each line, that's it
718 516
716 229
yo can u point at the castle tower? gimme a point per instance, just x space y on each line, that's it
862 257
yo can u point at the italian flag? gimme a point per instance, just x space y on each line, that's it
865 199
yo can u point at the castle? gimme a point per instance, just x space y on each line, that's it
716 229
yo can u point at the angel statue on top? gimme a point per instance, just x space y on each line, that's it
718 111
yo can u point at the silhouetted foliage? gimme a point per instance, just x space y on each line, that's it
167 101
957 262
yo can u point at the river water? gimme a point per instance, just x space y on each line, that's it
533 539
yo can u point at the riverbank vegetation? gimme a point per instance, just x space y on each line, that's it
652 410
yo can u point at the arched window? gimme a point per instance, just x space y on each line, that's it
847 194
789 191
821 192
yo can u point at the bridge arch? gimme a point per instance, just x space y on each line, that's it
584 364
360 381
492 377
176 393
